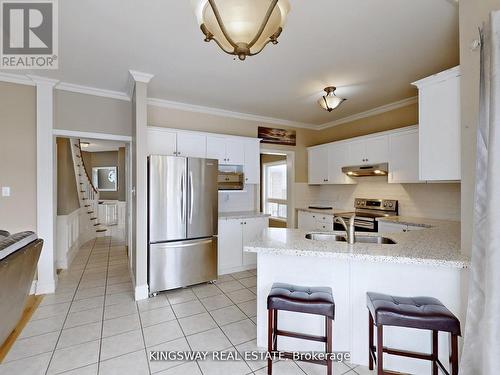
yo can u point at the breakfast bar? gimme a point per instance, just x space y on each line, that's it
426 262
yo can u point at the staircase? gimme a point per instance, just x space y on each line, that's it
88 195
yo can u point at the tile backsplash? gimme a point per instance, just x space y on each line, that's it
238 200
434 201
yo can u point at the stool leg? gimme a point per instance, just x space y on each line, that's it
435 352
275 330
380 347
370 340
454 354
329 347
270 334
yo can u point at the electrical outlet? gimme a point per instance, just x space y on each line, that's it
5 191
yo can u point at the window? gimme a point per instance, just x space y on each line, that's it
275 200
104 178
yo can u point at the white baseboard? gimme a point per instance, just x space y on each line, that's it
141 292
225 271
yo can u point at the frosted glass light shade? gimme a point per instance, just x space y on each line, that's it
330 101
241 27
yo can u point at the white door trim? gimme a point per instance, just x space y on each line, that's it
91 135
290 183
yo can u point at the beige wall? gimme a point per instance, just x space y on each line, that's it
174 118
18 156
107 159
398 118
87 113
67 194
473 13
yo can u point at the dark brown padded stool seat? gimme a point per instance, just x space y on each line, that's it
411 312
300 299
308 300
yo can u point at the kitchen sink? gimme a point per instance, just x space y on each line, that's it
325 237
341 238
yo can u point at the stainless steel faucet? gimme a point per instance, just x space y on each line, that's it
349 228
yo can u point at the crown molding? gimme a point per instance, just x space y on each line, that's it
225 113
20 79
38 80
140 76
370 112
64 86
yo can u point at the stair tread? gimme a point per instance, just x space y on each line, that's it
93 218
101 230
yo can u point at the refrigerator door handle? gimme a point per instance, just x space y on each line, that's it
191 195
187 243
183 210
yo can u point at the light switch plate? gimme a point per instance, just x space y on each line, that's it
5 191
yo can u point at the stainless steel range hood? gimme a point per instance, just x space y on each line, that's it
367 170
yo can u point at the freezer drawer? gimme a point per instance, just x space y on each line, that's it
182 263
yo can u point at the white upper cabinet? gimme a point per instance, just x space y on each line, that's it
338 157
226 150
252 161
191 144
235 152
403 157
161 142
318 165
439 126
370 150
216 148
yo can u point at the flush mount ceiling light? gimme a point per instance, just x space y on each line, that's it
330 101
241 27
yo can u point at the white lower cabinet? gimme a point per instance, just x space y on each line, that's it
384 227
315 221
233 235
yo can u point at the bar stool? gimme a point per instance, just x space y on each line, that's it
418 312
308 300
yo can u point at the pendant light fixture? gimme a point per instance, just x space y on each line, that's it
330 101
241 27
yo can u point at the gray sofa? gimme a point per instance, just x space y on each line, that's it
19 255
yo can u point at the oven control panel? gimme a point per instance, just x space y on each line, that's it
376 204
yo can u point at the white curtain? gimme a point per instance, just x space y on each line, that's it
481 352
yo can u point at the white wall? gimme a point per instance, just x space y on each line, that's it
434 201
239 201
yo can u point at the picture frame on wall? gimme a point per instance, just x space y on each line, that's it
277 136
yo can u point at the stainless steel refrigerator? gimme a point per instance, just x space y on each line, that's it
183 215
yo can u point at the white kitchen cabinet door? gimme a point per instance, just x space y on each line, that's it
338 157
230 244
403 157
216 149
161 142
252 162
305 220
439 126
377 150
252 229
318 165
357 151
235 151
191 145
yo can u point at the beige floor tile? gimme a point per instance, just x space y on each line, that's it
129 364
162 332
249 347
41 326
87 370
83 317
249 282
240 332
35 366
249 308
124 343
179 344
74 357
207 290
180 296
119 325
241 275
79 335
228 315
153 303
31 346
189 368
87 304
48 311
314 369
209 340
184 309
230 286
217 367
197 323
119 310
216 302
283 368
241 295
151 317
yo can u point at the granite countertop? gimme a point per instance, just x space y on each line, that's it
436 246
416 221
241 215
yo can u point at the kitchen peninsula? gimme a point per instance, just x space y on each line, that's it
426 262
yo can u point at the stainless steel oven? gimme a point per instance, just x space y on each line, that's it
367 211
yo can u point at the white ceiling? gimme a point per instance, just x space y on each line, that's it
370 49
97 145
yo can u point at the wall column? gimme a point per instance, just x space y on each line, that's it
46 195
139 182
